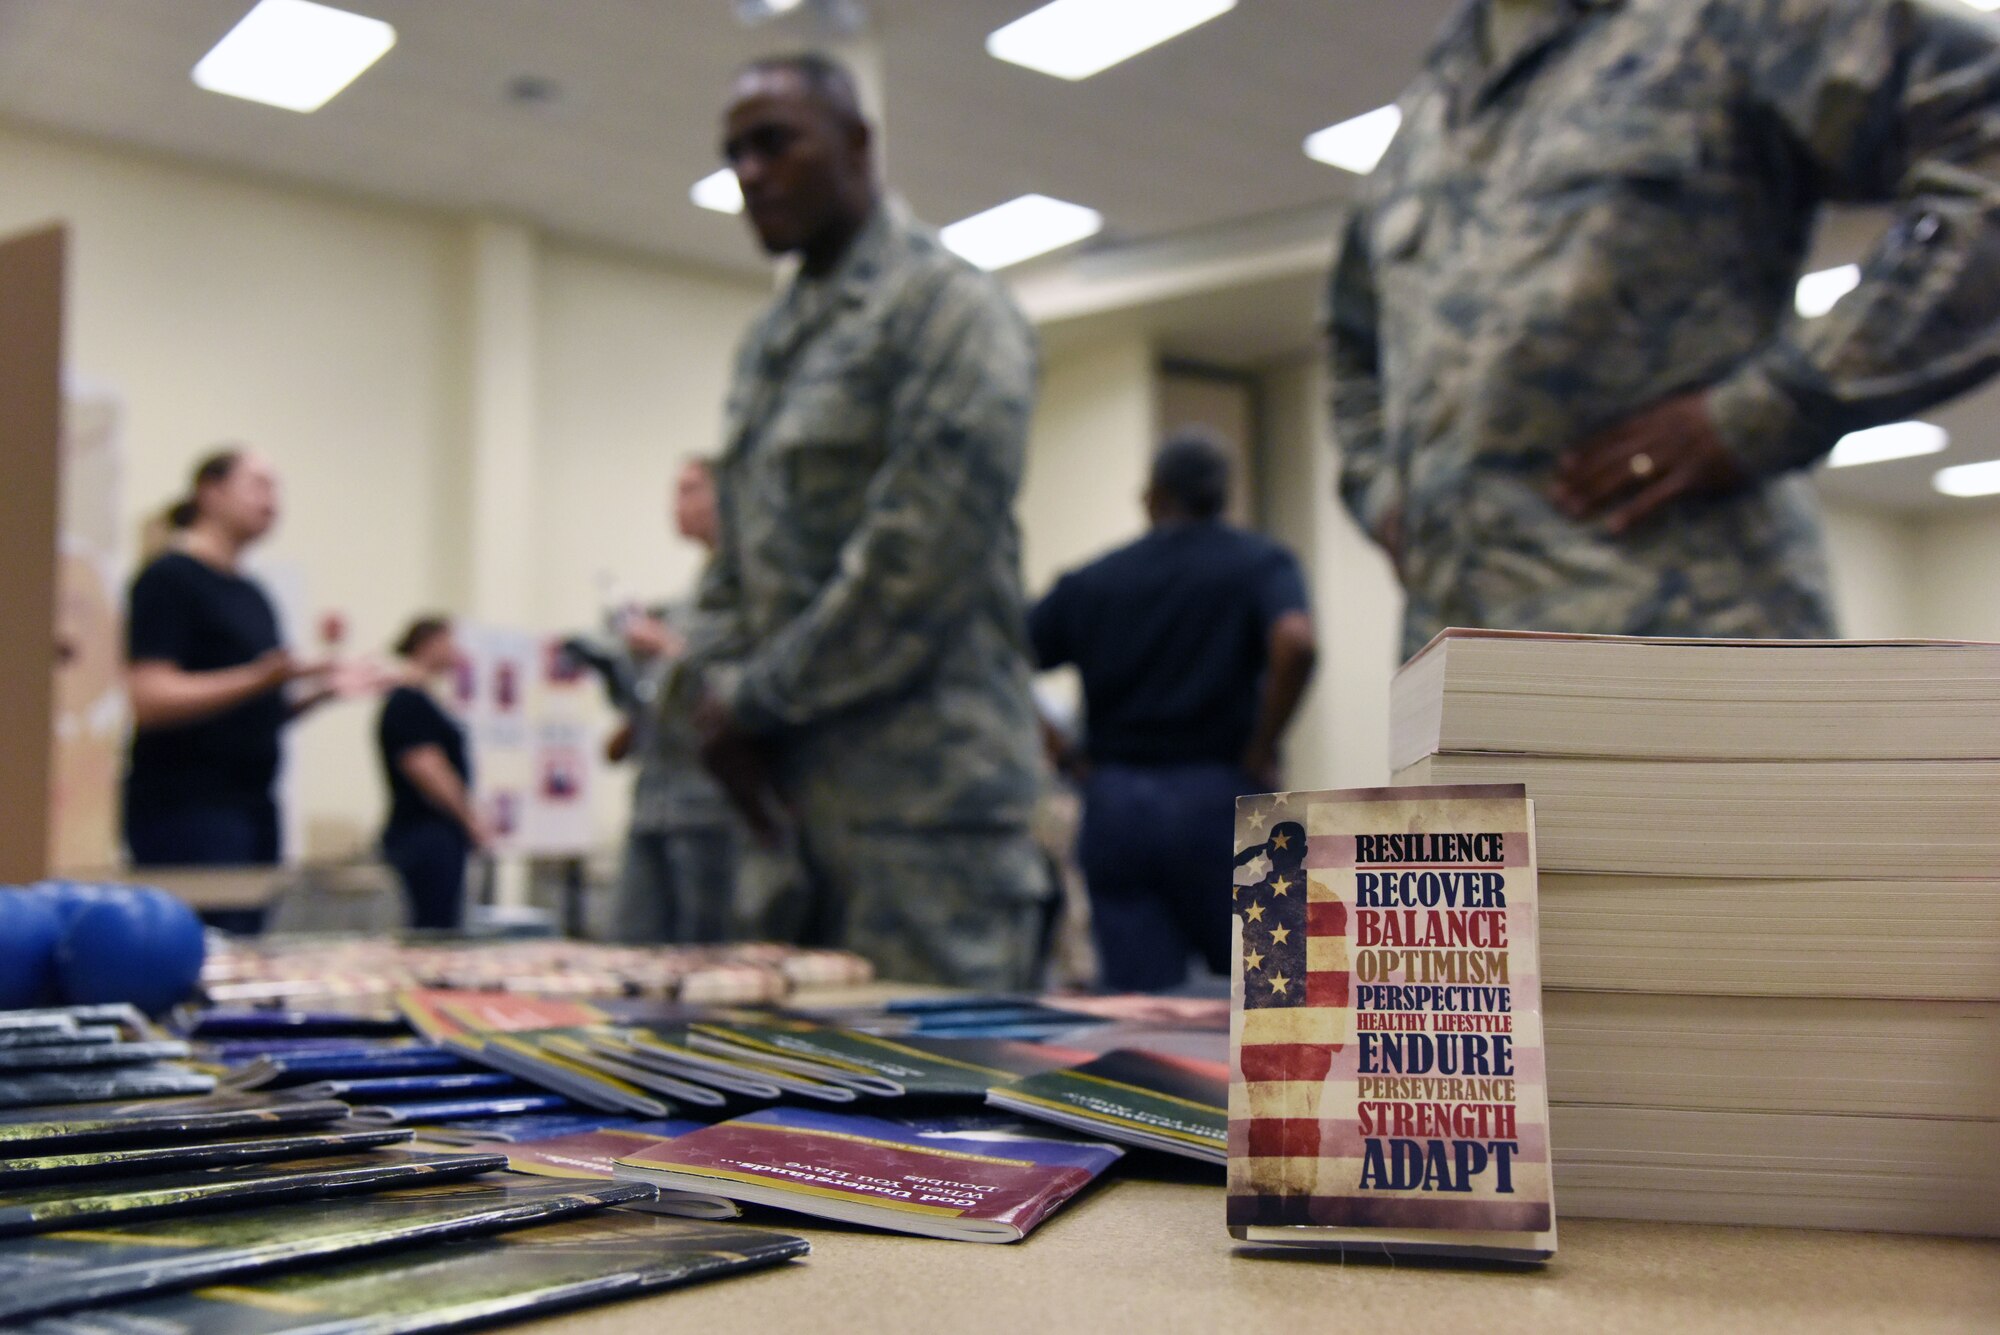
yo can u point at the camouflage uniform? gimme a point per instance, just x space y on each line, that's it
1616 212
684 841
865 614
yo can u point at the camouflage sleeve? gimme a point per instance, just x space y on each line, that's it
715 621
1889 101
937 510
1369 482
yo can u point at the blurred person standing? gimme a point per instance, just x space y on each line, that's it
1570 387
863 652
1195 644
433 826
684 844
211 684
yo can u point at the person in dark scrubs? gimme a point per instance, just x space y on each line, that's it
212 687
433 826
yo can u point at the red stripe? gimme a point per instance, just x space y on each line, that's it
1284 1138
1326 919
1327 989
1286 1061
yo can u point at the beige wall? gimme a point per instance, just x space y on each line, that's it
1957 587
1341 738
634 361
1874 560
1088 451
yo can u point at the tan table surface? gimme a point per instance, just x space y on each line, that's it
1149 1254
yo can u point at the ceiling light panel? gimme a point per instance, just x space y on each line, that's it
719 191
1356 145
293 54
1879 444
1982 479
1074 39
1020 229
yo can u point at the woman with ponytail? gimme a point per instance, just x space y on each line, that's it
211 685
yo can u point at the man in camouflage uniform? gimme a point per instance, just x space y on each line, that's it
1567 383
866 614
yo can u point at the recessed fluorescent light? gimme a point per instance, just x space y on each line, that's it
1356 145
1969 479
1897 440
1074 39
293 54
1819 291
719 191
1020 229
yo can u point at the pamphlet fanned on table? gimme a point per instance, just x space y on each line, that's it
906 1066
104 1085
567 1264
1387 1090
1176 1105
534 1038
72 1128
43 1207
76 1167
54 1271
963 1185
593 1156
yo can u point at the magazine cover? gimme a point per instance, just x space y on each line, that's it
600 1257
510 1032
69 1055
671 1052
1388 1087
203 1154
1173 1104
963 1185
69 1127
106 1085
926 1067
40 1207
294 1066
54 1271
55 1034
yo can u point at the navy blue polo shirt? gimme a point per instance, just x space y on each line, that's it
1171 635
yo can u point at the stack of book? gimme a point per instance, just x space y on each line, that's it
1770 914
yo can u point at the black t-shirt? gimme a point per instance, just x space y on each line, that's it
1171 635
200 619
410 719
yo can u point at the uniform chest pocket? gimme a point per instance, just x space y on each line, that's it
827 486
1633 148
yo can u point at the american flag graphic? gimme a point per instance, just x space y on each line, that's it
1296 1143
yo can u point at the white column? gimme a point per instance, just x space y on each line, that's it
497 488
500 428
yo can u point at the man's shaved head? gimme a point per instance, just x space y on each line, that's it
825 80
803 155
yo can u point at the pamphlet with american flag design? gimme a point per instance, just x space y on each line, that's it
1387 1088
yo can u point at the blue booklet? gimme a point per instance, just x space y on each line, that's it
348 1063
395 1088
102 1085
527 1127
453 1110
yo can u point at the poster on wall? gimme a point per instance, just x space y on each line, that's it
88 727
525 715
